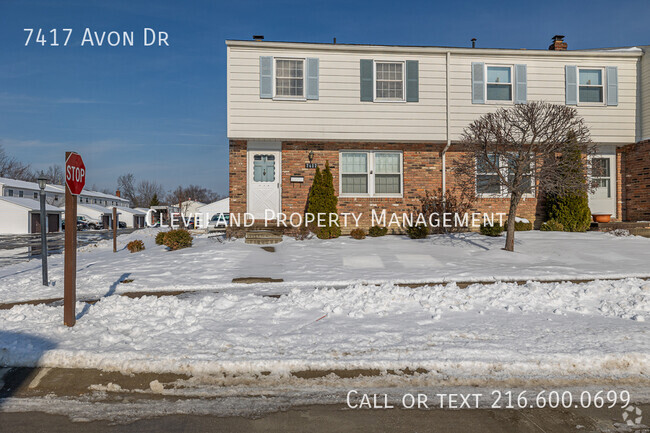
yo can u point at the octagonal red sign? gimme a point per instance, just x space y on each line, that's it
75 173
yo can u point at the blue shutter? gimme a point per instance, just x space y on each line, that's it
365 73
478 83
612 85
521 84
571 92
266 77
311 64
412 81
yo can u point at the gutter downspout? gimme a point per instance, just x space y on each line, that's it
444 151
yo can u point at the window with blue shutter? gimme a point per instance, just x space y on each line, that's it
612 85
521 84
478 83
266 77
311 64
571 87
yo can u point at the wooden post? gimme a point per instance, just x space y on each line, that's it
114 229
70 257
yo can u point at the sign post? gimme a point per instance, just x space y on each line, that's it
75 179
114 229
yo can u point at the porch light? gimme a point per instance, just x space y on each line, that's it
310 155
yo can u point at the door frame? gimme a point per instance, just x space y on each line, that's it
263 146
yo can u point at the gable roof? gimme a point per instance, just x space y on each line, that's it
30 204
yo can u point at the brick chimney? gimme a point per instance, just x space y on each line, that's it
117 193
558 43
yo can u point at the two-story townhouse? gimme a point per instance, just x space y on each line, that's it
388 120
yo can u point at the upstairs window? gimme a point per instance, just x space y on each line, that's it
10 192
389 81
591 86
35 195
499 83
290 78
21 193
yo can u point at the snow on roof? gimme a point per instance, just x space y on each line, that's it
21 184
131 210
96 208
30 204
222 206
90 193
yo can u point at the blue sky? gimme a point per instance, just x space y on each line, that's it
160 112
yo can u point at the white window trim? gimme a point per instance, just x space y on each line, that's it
603 85
374 82
277 97
371 174
512 85
503 166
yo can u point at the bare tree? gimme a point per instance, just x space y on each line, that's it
192 192
146 190
518 150
55 175
11 168
126 185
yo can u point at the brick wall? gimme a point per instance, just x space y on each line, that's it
636 181
237 176
422 172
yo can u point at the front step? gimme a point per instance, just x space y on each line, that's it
262 237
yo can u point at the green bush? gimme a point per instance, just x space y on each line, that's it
160 238
572 211
376 231
177 239
322 200
572 208
552 226
491 230
419 231
358 234
135 246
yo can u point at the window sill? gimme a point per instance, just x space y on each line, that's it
371 196
398 101
498 102
288 98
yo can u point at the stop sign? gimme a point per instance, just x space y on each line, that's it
75 173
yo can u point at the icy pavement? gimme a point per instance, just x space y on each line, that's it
492 332
212 264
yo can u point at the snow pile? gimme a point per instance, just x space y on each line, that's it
212 265
503 331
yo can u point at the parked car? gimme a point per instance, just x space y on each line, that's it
81 224
121 224
218 222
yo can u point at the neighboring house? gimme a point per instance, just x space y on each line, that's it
388 120
97 198
97 214
21 188
21 215
219 206
190 207
134 218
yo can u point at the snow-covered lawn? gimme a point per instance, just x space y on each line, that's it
211 265
499 331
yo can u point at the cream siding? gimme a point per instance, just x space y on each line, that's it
340 115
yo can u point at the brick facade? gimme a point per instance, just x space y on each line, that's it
635 185
422 172
237 176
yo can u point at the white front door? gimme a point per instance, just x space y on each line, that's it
603 199
264 180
